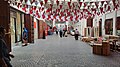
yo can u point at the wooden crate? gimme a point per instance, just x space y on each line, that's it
105 48
97 49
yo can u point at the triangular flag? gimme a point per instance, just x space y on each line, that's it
41 3
57 2
80 3
45 1
60 6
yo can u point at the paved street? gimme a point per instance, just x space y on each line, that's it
61 52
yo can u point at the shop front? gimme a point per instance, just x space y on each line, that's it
16 25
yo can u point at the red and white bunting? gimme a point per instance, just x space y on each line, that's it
45 1
57 2
43 16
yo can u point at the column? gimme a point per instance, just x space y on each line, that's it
103 24
114 22
5 21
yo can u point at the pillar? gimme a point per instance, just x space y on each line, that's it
103 24
114 22
5 21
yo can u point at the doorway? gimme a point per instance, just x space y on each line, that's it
100 27
109 26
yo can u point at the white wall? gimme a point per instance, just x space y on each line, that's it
118 13
83 25
110 15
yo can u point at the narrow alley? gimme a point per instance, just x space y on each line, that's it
61 52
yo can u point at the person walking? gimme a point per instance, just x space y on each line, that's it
64 31
76 34
25 37
61 32
4 53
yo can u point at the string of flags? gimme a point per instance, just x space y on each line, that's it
65 10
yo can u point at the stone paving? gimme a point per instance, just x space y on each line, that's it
61 52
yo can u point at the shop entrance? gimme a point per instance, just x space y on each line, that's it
109 26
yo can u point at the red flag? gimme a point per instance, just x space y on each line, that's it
60 18
42 8
75 13
62 14
24 9
41 3
80 3
69 3
71 18
43 16
58 10
48 10
102 2
45 1
85 4
68 13
49 16
77 17
21 1
98 13
105 6
34 8
51 5
69 7
57 2
101 9
113 2
15 3
96 4
54 17
18 5
108 8
31 11
60 6
26 1
91 2
38 16
66 18
66 10
73 5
